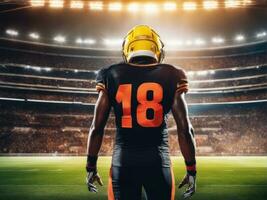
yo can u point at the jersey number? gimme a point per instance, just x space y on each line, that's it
124 95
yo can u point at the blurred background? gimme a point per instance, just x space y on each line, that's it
51 50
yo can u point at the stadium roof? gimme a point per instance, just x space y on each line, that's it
179 28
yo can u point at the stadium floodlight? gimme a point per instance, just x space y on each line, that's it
188 42
133 7
209 5
96 5
56 3
37 3
240 38
89 41
113 42
232 3
212 71
169 6
48 69
199 42
261 35
12 32
217 40
247 2
202 73
37 68
60 39
115 6
150 8
190 73
190 5
174 43
85 41
76 4
79 41
34 36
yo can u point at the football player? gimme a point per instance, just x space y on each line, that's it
142 91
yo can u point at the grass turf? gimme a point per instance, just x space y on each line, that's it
56 178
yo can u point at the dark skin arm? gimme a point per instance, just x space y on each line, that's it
184 128
186 140
96 132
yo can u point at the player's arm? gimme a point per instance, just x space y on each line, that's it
96 132
186 141
184 128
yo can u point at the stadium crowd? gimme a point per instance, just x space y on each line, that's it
65 131
29 82
95 62
219 62
36 126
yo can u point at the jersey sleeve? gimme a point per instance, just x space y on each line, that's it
182 82
101 80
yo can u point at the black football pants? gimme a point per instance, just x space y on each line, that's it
125 183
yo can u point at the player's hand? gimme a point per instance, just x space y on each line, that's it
190 181
91 178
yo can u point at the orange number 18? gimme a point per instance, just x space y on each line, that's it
124 95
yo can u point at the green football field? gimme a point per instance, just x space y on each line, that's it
51 178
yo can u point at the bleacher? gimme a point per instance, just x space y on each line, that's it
47 102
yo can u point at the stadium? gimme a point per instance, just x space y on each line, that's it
51 51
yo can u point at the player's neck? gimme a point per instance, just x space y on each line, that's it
143 60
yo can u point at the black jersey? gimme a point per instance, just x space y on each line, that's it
141 97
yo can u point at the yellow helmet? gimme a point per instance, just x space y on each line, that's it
142 40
